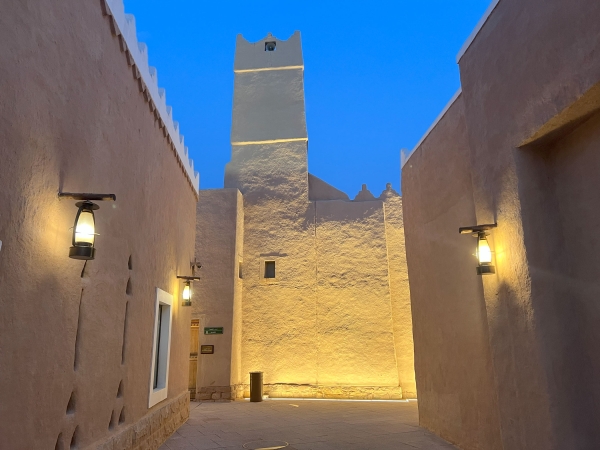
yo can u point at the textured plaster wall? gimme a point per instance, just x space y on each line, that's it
268 105
530 62
453 365
217 295
279 336
353 311
530 85
324 326
574 164
399 291
563 261
73 119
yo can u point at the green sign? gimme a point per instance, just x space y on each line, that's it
213 330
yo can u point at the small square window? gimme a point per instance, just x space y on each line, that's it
269 269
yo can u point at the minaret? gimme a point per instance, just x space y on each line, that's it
269 167
268 131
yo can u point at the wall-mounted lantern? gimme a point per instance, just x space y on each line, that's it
483 253
84 228
186 294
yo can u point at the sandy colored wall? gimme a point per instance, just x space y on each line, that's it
324 326
73 119
529 87
453 364
560 203
399 293
218 295
530 62
353 308
278 337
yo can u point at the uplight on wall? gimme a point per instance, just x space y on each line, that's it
483 252
84 228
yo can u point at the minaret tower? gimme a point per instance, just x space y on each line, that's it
268 131
269 167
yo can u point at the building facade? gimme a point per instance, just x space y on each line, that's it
309 287
81 112
510 360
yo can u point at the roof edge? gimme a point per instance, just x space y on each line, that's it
404 157
137 53
477 29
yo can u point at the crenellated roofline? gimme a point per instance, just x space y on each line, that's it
123 26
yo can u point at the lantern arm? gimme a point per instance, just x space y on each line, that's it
88 196
183 277
475 230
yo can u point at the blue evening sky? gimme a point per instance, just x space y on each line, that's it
377 73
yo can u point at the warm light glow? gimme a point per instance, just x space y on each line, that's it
483 251
187 292
84 230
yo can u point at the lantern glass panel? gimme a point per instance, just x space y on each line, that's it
483 251
187 292
85 229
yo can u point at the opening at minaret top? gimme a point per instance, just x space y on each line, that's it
269 52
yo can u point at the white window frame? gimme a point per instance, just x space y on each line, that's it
159 393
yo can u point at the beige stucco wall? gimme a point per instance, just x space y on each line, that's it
453 364
399 292
73 119
217 297
529 87
353 309
330 317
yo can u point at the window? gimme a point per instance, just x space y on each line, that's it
270 46
240 274
161 348
269 269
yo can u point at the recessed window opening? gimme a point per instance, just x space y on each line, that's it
158 349
270 46
240 274
269 269
161 348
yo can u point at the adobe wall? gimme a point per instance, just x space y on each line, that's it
73 119
531 94
279 337
453 364
530 62
355 341
399 291
219 228
325 325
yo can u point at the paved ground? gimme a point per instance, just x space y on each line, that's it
304 425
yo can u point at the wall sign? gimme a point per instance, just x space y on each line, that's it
207 349
213 330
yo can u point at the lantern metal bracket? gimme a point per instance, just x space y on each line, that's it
182 277
195 264
476 230
88 196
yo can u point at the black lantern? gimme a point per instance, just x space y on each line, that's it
84 232
84 229
186 294
483 253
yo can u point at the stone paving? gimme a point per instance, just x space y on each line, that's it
304 425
